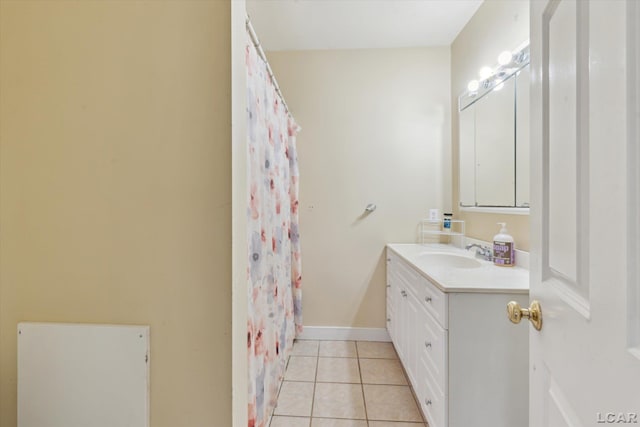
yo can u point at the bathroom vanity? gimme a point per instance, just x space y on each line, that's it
446 315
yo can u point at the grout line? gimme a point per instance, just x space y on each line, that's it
378 358
416 423
315 383
414 395
364 401
291 416
338 357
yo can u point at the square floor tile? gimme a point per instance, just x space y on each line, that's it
393 424
289 422
338 349
376 350
338 370
332 422
295 399
382 371
338 401
305 348
391 403
301 368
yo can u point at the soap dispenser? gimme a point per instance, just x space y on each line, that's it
503 247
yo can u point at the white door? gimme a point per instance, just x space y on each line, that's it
585 361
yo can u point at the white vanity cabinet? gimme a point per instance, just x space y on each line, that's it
467 363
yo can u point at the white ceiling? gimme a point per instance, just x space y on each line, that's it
358 24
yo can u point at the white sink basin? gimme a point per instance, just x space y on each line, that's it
443 259
454 270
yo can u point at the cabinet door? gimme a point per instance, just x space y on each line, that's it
390 299
412 315
400 319
391 321
432 370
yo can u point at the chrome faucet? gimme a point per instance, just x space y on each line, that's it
481 251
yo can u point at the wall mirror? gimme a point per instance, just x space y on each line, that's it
494 137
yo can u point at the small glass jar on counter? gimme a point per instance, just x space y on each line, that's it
446 222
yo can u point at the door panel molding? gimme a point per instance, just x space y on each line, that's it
569 278
633 146
561 408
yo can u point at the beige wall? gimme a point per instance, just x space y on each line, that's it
375 129
115 187
498 25
240 370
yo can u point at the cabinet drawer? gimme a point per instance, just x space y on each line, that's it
389 291
432 350
432 403
406 274
433 299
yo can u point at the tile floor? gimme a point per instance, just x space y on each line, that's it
345 384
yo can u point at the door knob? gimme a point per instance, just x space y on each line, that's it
533 313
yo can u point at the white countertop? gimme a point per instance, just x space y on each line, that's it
487 278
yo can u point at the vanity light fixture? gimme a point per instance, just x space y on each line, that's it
485 73
505 57
509 62
522 56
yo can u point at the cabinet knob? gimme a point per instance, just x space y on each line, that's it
427 344
403 293
388 286
389 259
427 299
427 402
388 319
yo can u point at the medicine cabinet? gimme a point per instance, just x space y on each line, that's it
494 141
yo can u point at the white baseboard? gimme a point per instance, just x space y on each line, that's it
338 333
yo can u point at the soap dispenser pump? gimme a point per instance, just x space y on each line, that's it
503 247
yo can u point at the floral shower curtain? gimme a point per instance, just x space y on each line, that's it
275 298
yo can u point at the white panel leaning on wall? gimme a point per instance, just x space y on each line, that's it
78 375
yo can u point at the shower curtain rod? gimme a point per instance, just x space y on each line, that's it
258 46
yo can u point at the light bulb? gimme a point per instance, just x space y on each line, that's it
485 72
504 58
473 85
498 87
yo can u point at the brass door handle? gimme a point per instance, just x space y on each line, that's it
533 313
